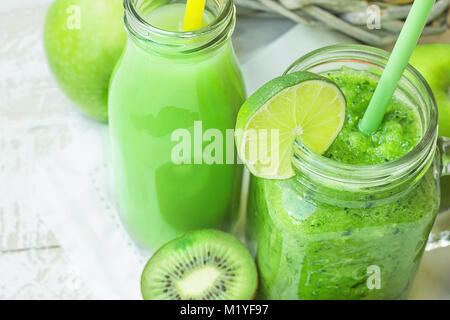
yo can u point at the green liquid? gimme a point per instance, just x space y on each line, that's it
151 96
398 134
306 249
170 17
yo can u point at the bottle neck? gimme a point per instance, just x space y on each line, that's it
166 42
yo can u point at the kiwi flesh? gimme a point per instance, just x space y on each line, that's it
200 265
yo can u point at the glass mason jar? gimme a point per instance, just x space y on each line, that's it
341 231
171 95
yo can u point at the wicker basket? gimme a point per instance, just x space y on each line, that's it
374 22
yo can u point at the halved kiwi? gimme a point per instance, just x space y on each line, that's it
200 265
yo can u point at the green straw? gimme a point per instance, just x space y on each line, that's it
407 41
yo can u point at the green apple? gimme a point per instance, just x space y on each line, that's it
83 40
433 62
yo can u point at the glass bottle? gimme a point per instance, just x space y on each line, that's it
173 95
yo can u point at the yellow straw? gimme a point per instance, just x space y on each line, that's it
193 17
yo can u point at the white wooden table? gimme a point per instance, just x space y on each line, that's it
32 263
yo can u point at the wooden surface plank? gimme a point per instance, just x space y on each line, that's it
19 231
28 94
432 280
40 274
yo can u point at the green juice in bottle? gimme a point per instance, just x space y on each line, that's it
169 82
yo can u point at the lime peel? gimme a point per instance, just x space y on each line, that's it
300 104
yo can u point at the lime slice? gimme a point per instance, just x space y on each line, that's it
300 104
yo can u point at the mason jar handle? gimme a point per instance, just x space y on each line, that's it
444 148
440 235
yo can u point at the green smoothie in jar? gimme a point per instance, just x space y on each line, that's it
353 222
